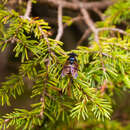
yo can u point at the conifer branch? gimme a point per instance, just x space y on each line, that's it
26 16
117 44
45 37
42 99
51 97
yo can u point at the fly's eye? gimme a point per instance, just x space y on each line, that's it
72 58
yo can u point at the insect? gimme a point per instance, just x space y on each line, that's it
71 66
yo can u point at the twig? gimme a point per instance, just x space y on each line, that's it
51 97
104 54
103 87
112 29
54 99
75 19
42 99
99 13
46 39
87 19
55 88
60 25
7 120
28 9
43 34
75 6
69 88
84 36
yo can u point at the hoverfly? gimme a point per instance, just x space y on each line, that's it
71 66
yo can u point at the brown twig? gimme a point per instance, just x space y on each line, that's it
99 13
103 87
60 25
28 9
54 99
75 6
87 19
42 99
55 88
7 120
46 38
51 97
112 29
43 34
84 36
75 19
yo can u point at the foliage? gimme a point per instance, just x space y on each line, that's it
42 60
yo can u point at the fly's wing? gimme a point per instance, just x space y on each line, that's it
66 69
74 70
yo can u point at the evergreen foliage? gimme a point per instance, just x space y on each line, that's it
42 60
